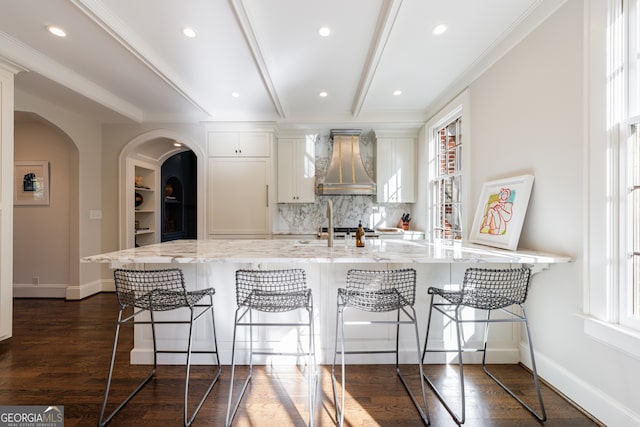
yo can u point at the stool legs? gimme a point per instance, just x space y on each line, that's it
241 312
231 413
542 416
131 320
459 419
339 398
457 320
189 419
102 421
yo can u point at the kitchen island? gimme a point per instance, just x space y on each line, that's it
214 262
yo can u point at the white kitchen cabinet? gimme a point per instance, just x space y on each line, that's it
239 144
238 196
296 170
396 167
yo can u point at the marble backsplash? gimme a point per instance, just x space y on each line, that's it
347 210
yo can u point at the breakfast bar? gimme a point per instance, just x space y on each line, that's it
214 262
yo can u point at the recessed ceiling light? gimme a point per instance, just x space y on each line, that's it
439 29
177 144
189 32
57 31
235 94
397 92
323 94
324 31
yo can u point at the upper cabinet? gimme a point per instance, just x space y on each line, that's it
239 144
396 168
296 170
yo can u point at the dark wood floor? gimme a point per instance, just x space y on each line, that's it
59 355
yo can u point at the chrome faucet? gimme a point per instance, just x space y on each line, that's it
330 227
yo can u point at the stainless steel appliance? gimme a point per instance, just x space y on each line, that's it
342 232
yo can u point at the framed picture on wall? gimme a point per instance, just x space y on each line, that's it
31 183
500 212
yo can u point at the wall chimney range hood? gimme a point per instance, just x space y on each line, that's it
346 174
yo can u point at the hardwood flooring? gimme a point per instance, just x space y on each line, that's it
59 355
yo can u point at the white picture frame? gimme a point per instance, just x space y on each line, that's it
31 183
500 213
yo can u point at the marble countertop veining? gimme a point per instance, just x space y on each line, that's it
283 251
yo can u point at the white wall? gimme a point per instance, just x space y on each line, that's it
528 115
42 233
85 238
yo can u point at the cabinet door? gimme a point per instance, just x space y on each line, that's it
254 144
395 164
239 144
286 173
222 144
238 196
296 170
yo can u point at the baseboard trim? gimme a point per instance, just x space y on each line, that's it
83 291
39 291
70 292
588 398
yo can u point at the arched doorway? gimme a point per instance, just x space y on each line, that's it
151 150
46 235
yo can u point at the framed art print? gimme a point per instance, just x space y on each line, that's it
501 211
31 183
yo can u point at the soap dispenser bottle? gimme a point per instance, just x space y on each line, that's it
360 235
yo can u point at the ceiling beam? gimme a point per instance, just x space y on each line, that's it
35 61
386 21
101 15
252 41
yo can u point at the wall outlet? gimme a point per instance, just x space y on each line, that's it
35 280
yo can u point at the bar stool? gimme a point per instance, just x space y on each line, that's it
272 291
151 291
377 292
489 290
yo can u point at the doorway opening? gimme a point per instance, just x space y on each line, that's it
179 204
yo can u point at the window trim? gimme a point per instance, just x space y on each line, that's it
606 129
458 107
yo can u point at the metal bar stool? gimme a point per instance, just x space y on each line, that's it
272 291
160 290
489 290
378 291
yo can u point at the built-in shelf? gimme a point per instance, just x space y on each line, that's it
145 205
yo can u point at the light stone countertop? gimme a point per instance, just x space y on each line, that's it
282 251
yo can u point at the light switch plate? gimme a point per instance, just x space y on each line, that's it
95 214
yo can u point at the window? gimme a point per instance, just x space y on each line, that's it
630 292
612 279
446 135
625 118
447 182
